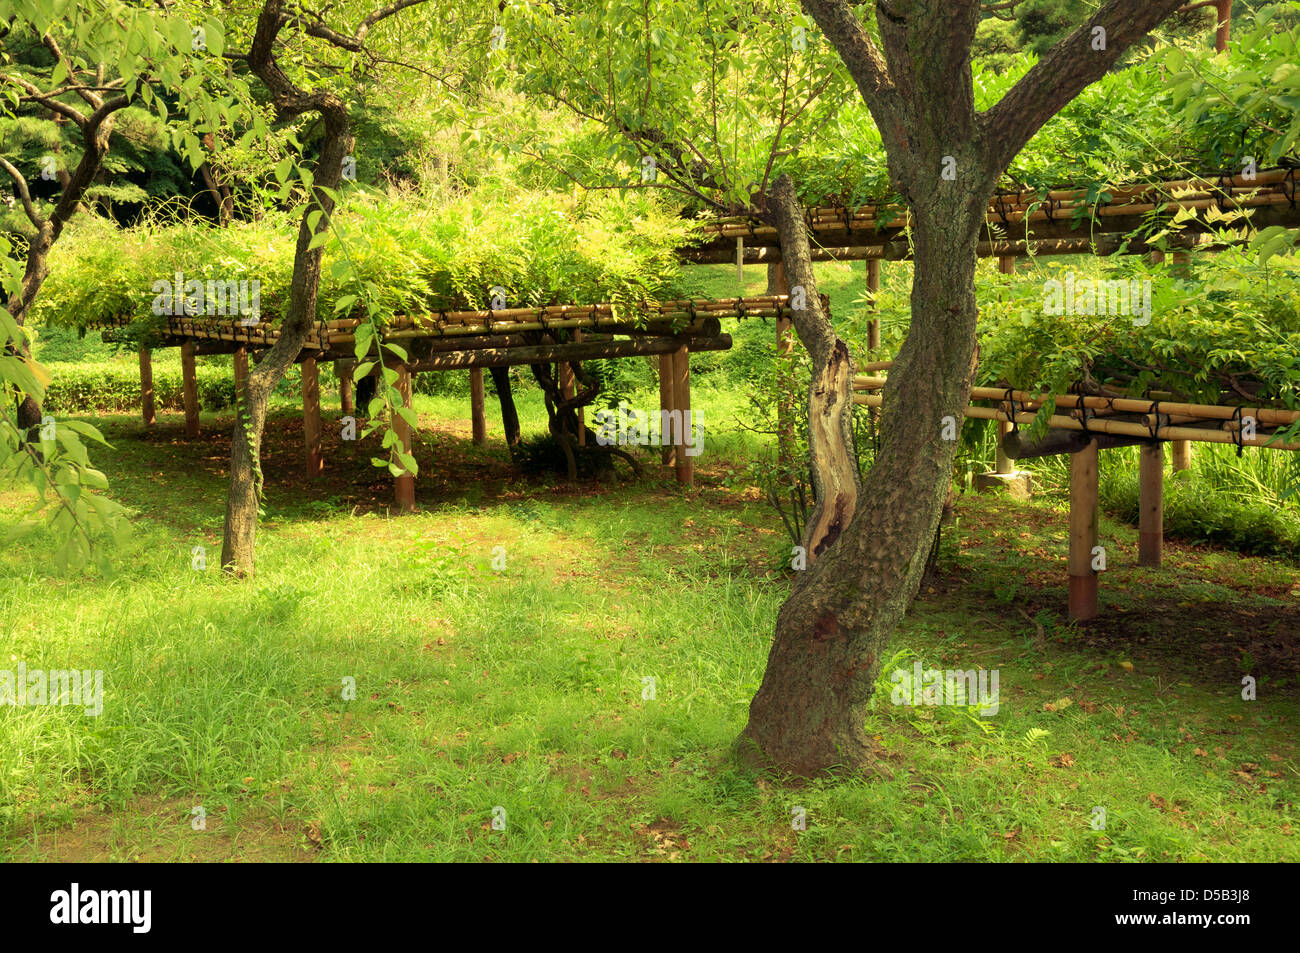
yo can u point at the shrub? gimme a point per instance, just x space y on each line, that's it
113 386
1193 513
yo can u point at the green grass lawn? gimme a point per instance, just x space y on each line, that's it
524 688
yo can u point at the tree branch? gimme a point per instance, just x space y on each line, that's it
1065 71
20 186
865 63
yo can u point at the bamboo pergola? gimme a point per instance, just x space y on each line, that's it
465 340
1083 424
1057 221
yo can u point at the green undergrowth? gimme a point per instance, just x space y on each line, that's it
582 660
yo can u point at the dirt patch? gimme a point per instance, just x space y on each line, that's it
158 830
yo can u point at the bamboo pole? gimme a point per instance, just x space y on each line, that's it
191 385
1151 495
682 402
1083 533
1182 453
311 423
404 484
478 417
147 409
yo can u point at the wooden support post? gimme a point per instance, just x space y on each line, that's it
405 484
478 418
667 400
873 287
191 383
147 409
1223 12
311 425
1004 463
1083 533
582 411
1007 264
241 376
1151 500
1181 265
1182 454
682 402
343 371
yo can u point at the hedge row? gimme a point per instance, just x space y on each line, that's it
1193 514
111 386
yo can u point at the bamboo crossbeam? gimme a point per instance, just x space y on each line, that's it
1106 426
1263 415
698 316
550 353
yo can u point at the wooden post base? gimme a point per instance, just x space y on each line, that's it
478 417
147 409
667 400
682 402
1151 491
1083 533
191 385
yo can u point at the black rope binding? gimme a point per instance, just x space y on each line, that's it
1011 401
1236 415
1153 419
1002 209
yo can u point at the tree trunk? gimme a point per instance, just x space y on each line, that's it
509 415
808 716
830 394
19 304
944 159
95 131
240 536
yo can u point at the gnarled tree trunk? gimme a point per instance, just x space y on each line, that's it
944 160
808 715
830 394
